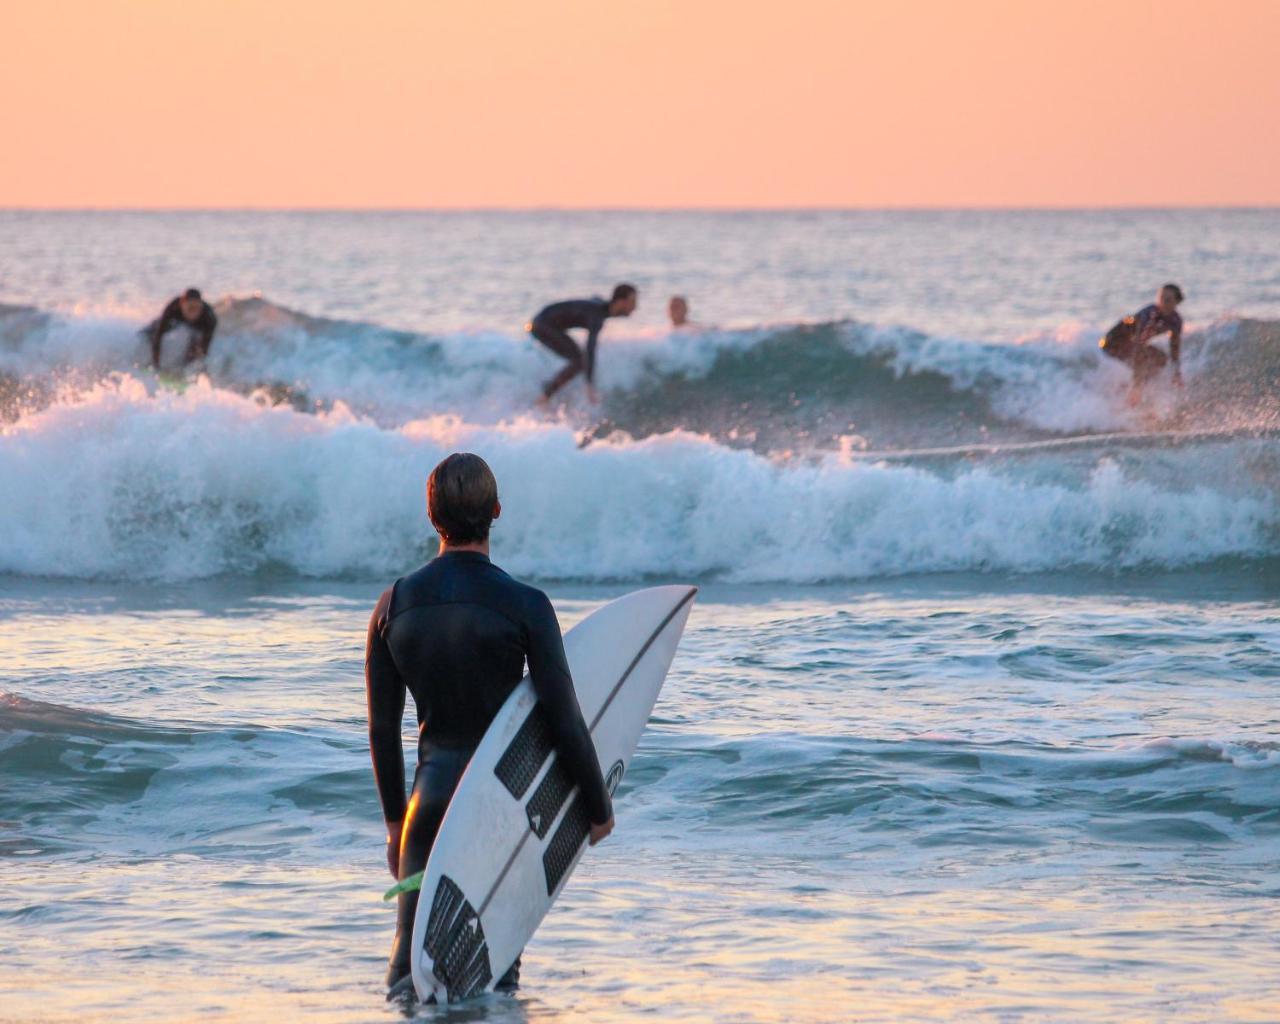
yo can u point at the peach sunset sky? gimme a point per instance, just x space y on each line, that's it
705 103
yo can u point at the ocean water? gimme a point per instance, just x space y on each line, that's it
976 716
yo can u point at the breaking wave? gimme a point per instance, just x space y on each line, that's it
787 452
781 387
120 482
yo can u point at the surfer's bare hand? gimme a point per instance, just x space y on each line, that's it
394 829
599 832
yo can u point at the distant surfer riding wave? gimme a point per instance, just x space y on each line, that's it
188 310
1130 340
551 327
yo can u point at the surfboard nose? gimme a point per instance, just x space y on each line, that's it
651 608
676 593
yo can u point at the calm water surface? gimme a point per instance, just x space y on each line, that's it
1052 801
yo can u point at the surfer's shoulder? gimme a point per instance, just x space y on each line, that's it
533 603
382 611
409 586
526 591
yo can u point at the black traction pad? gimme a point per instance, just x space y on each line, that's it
548 798
565 844
456 944
521 761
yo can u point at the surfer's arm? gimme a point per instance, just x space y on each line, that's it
553 683
208 325
159 328
593 338
384 691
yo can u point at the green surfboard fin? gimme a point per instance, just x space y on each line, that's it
411 884
172 381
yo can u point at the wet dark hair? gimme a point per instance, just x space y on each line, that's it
1171 287
193 293
461 495
623 291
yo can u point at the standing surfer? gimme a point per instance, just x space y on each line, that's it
456 634
1130 340
190 310
552 325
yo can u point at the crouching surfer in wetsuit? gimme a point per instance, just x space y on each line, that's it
552 325
190 310
456 634
1130 340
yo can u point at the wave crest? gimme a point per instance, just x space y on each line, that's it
775 388
122 483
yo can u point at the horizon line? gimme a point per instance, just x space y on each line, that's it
550 208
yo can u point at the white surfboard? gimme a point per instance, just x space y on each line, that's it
516 827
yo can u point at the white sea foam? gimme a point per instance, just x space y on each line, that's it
118 482
1247 754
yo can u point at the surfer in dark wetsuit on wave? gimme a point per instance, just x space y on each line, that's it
552 325
188 309
456 635
1130 340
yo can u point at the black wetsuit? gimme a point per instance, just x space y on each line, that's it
456 635
206 323
551 327
1129 341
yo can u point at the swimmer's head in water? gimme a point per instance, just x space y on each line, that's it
191 304
462 499
678 310
623 302
1168 298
